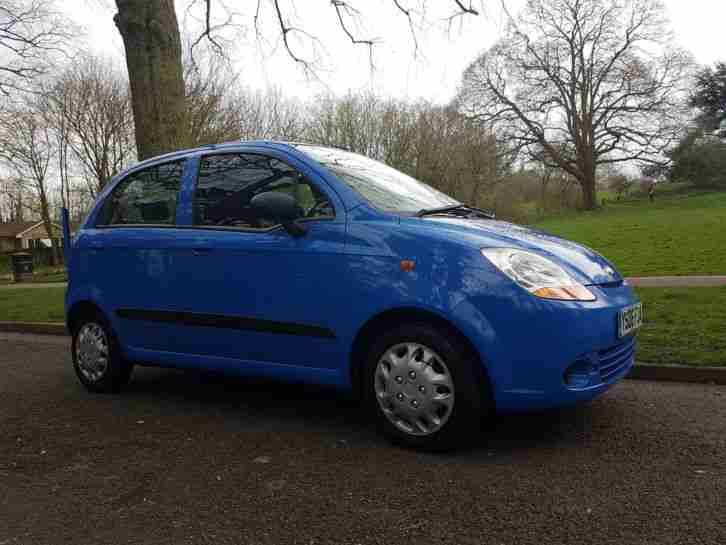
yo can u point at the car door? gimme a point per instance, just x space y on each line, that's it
248 290
131 253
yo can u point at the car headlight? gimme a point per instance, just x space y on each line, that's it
538 275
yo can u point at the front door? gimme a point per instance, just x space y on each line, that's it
248 290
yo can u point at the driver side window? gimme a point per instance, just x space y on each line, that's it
227 183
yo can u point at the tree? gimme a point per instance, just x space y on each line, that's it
699 160
151 37
12 209
434 144
590 82
31 33
220 109
150 33
710 96
89 108
27 149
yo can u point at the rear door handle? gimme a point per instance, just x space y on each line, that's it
201 251
96 249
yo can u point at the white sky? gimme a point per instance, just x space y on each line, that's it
433 74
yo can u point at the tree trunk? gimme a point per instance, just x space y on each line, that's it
589 191
48 224
57 252
150 33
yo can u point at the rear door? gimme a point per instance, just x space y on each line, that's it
247 289
132 253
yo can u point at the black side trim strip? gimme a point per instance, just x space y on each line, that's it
224 321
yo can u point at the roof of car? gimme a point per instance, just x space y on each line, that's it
231 145
223 145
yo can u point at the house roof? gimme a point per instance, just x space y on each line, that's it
17 229
12 230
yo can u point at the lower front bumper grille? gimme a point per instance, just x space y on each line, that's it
614 359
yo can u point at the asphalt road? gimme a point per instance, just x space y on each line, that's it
193 459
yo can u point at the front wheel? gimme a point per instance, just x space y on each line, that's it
424 388
97 357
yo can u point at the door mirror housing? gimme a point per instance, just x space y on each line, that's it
281 207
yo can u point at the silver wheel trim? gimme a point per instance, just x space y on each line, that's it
92 352
414 388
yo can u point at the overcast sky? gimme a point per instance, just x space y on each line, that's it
433 74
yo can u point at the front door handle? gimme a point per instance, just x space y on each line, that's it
201 251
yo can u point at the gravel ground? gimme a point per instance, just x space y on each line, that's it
195 459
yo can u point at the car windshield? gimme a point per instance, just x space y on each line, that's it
383 187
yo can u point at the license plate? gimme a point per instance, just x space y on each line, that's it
630 319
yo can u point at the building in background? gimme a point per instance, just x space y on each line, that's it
26 235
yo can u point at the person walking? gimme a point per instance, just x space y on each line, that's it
651 192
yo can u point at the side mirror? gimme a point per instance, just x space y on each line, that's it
281 207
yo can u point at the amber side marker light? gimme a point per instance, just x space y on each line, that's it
565 293
407 265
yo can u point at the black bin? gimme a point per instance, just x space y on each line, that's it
22 267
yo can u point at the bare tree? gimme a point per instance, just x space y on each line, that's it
12 209
265 114
151 36
31 34
213 109
590 82
62 136
435 144
27 149
89 107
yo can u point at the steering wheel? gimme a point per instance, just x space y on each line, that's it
325 203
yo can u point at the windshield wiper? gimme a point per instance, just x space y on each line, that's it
456 209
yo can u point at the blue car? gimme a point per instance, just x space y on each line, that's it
317 265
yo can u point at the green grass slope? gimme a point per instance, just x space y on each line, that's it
683 326
675 235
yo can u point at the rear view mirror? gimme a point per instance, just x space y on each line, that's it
281 207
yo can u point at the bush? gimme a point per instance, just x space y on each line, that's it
526 196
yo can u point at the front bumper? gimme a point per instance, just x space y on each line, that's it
582 381
547 354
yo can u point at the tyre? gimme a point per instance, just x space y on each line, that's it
424 388
97 357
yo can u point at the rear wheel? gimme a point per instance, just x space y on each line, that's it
97 357
423 388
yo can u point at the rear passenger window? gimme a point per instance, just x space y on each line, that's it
227 183
148 196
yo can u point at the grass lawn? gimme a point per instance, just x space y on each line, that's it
42 276
678 234
682 325
32 304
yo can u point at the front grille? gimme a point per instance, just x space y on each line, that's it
614 359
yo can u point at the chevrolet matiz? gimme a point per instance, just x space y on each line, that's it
313 264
